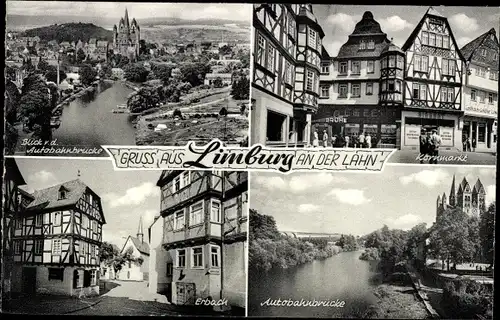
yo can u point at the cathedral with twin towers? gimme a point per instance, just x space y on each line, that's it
127 37
470 200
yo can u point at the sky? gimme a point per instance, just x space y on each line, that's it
338 21
192 11
125 195
359 203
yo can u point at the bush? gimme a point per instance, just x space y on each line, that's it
467 299
177 113
370 254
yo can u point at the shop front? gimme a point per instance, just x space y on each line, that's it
480 133
446 124
349 121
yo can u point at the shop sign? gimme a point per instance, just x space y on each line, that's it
336 120
446 134
482 109
412 134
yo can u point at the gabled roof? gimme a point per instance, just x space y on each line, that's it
49 198
471 48
478 187
142 247
12 172
432 12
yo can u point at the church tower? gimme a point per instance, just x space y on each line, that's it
464 196
478 198
453 199
140 233
439 208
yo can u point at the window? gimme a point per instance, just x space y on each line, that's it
398 85
57 218
214 257
425 37
439 40
56 247
312 38
38 220
371 45
18 246
419 91
356 90
170 269
186 178
270 57
309 80
261 48
62 194
38 246
421 63
83 249
196 213
287 76
481 96
355 67
343 91
19 223
362 45
197 257
215 212
56 274
291 25
179 221
448 67
490 98
483 52
390 85
473 95
432 39
446 42
325 92
451 95
325 68
369 89
343 67
93 277
181 258
482 72
493 75
370 67
392 61
383 63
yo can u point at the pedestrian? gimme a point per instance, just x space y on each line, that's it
464 143
424 145
435 142
361 140
315 139
334 141
325 139
468 144
368 141
346 142
473 145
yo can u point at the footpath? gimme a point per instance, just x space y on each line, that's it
429 295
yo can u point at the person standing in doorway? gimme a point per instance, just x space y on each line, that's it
315 139
473 145
368 141
435 142
325 139
424 145
464 143
361 140
468 142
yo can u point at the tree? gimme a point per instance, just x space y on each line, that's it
487 233
241 89
177 113
144 99
218 82
43 65
162 72
136 72
80 55
194 73
225 50
110 255
51 74
347 243
105 71
415 236
87 74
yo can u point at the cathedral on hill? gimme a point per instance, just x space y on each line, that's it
470 199
126 37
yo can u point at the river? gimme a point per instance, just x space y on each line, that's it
343 277
88 121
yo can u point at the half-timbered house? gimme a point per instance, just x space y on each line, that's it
481 92
361 87
198 243
57 235
137 268
13 199
286 60
433 83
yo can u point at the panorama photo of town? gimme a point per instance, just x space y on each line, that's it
90 74
420 80
82 239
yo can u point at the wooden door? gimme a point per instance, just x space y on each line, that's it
29 280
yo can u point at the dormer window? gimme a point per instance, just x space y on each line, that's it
371 45
62 193
362 45
483 52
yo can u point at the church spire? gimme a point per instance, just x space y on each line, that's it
452 199
127 24
140 233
